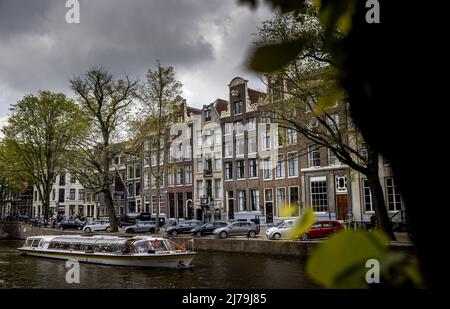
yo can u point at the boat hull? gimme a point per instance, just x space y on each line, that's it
181 260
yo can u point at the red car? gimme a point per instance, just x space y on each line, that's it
322 229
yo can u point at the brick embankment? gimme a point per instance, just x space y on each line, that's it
260 245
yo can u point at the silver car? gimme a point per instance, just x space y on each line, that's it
97 225
141 227
237 228
280 231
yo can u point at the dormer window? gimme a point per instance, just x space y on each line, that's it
238 107
207 115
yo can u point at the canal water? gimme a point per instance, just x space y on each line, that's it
212 270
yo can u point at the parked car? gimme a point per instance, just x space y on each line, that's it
144 216
208 228
96 226
23 218
237 228
173 222
39 222
280 231
277 224
126 221
70 224
183 228
323 228
141 227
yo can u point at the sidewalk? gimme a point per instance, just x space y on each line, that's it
402 237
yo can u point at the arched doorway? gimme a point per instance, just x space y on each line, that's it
189 209
199 214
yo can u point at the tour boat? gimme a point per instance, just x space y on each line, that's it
138 251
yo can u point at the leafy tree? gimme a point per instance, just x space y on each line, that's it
8 184
158 95
381 86
37 138
309 84
106 103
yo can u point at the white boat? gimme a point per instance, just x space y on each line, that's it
139 251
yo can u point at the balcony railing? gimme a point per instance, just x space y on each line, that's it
207 172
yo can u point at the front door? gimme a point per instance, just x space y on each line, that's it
269 212
199 214
180 205
230 209
342 206
190 210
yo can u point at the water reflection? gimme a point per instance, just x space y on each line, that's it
212 270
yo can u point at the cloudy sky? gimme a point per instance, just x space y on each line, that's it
205 40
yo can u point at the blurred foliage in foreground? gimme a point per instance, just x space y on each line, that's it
339 262
342 260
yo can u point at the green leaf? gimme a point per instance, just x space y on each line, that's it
302 225
340 261
288 210
336 14
272 57
329 100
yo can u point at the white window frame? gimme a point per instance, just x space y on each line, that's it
170 178
251 198
294 154
179 179
255 147
257 169
311 150
244 206
239 126
276 196
319 179
266 136
289 195
188 175
199 188
228 128
218 189
364 190
228 149
282 163
242 108
238 168
199 165
217 136
336 160
217 162
240 141
270 169
291 137
395 194
251 124
230 163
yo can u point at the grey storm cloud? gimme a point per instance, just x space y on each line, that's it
205 40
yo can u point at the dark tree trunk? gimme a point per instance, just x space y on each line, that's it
46 203
378 200
392 115
107 197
